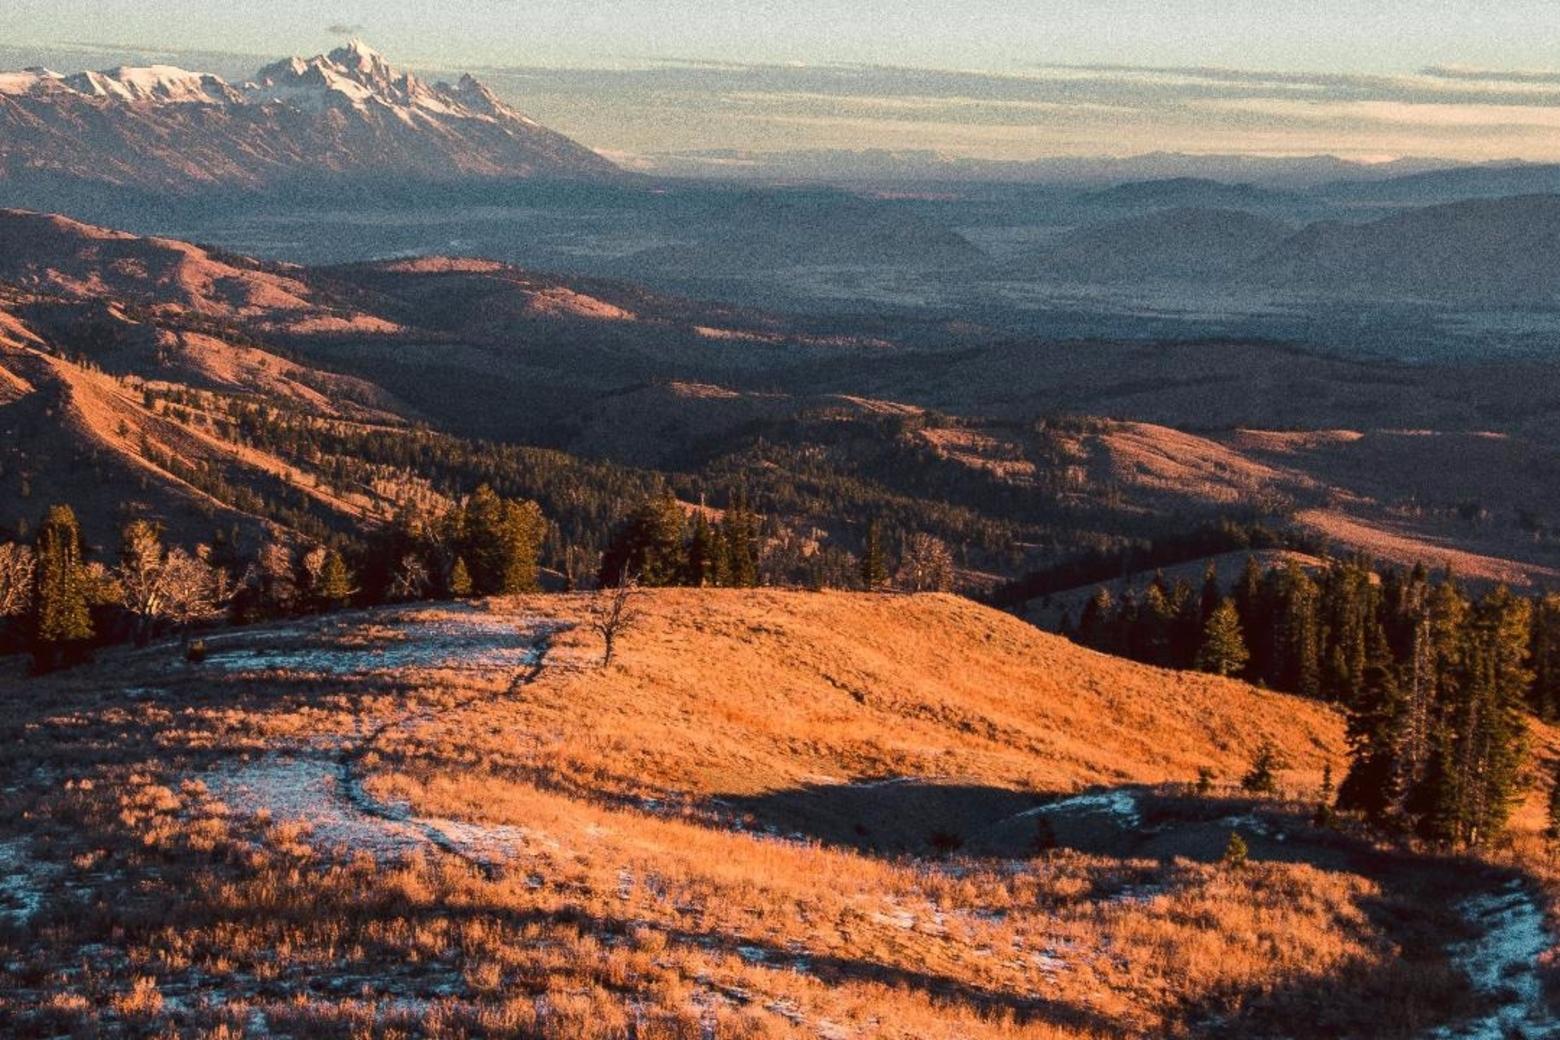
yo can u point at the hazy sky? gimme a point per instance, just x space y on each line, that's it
987 78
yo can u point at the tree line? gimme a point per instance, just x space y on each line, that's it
664 543
1437 682
58 604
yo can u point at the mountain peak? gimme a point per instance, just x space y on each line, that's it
351 107
362 61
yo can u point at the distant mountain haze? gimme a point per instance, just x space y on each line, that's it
349 112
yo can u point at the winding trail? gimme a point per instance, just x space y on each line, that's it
323 785
436 833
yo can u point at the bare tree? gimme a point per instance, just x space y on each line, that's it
198 592
411 579
926 565
16 578
157 585
312 567
273 578
612 613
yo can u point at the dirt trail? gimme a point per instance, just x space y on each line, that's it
447 836
324 786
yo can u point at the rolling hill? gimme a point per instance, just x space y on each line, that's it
1486 251
775 815
1176 244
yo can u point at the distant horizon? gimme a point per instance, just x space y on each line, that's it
696 114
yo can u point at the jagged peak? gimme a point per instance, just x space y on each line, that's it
363 62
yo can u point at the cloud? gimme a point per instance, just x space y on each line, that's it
344 29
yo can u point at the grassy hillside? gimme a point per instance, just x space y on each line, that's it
774 815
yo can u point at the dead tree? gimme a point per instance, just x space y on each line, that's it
612 613
16 578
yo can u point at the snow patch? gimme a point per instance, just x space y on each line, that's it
476 642
310 790
1502 964
22 881
1119 803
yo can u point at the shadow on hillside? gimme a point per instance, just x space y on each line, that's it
925 818
117 709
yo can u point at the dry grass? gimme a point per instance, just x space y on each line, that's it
613 873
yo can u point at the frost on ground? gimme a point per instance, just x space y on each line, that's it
23 881
322 787
1120 804
311 790
470 640
1502 964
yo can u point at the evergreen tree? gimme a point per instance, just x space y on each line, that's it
501 542
648 547
874 561
1236 852
1545 698
1252 604
460 579
1262 777
1297 665
1223 650
1154 626
740 543
1378 775
61 623
1094 624
703 550
1552 830
334 587
1212 595
1481 738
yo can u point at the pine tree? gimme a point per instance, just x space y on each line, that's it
1552 830
61 623
1151 634
648 548
501 541
1545 698
1094 624
1379 774
1297 664
740 541
1251 603
335 583
1262 778
460 579
1212 595
1223 650
874 563
1235 852
703 548
1466 796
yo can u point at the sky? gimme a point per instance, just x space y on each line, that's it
978 79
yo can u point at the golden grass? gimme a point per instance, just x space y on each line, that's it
637 892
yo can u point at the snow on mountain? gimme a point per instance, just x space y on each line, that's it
358 76
155 83
26 81
337 113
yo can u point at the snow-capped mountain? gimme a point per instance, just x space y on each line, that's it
344 112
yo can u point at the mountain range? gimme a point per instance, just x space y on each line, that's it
167 129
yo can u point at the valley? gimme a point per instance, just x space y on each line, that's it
458 580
